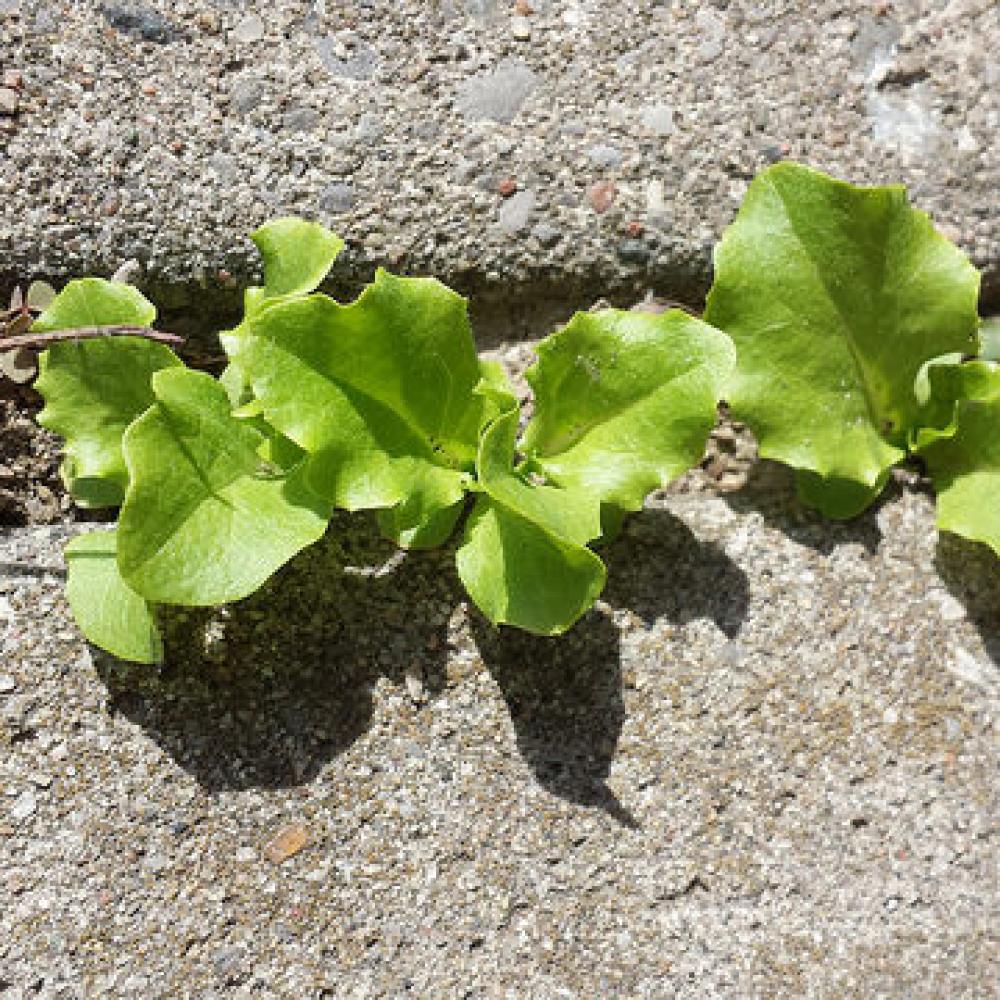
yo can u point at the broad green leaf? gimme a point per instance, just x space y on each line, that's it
109 613
835 296
380 393
96 302
965 469
624 401
202 523
524 559
93 389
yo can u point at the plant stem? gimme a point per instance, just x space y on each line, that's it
39 341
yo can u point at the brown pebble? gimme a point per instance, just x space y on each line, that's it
523 8
601 195
507 187
286 843
149 90
12 78
635 228
111 204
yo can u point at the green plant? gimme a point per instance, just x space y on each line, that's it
378 404
857 334
856 340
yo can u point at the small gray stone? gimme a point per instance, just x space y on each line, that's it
633 252
710 50
300 120
498 94
369 129
658 118
40 779
516 211
905 121
337 198
250 29
24 806
546 234
142 23
7 684
360 64
245 96
608 157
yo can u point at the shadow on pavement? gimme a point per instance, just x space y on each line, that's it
770 491
971 572
269 690
268 694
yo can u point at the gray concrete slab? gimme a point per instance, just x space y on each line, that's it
536 155
763 766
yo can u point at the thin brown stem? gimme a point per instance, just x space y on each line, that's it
39 341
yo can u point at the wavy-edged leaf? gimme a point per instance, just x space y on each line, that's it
202 523
110 614
297 256
835 296
965 468
96 302
624 401
380 393
93 389
523 558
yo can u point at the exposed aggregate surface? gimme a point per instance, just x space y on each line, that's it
525 153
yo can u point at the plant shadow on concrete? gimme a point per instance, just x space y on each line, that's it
971 572
770 491
267 694
564 694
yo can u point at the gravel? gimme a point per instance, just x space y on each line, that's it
165 132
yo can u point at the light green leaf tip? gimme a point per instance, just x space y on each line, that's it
624 401
835 296
93 389
297 256
202 522
109 613
379 393
523 559
965 467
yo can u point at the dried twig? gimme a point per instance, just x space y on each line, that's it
39 341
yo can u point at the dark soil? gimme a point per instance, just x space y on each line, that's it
31 491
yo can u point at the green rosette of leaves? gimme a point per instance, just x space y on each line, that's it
389 402
835 297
